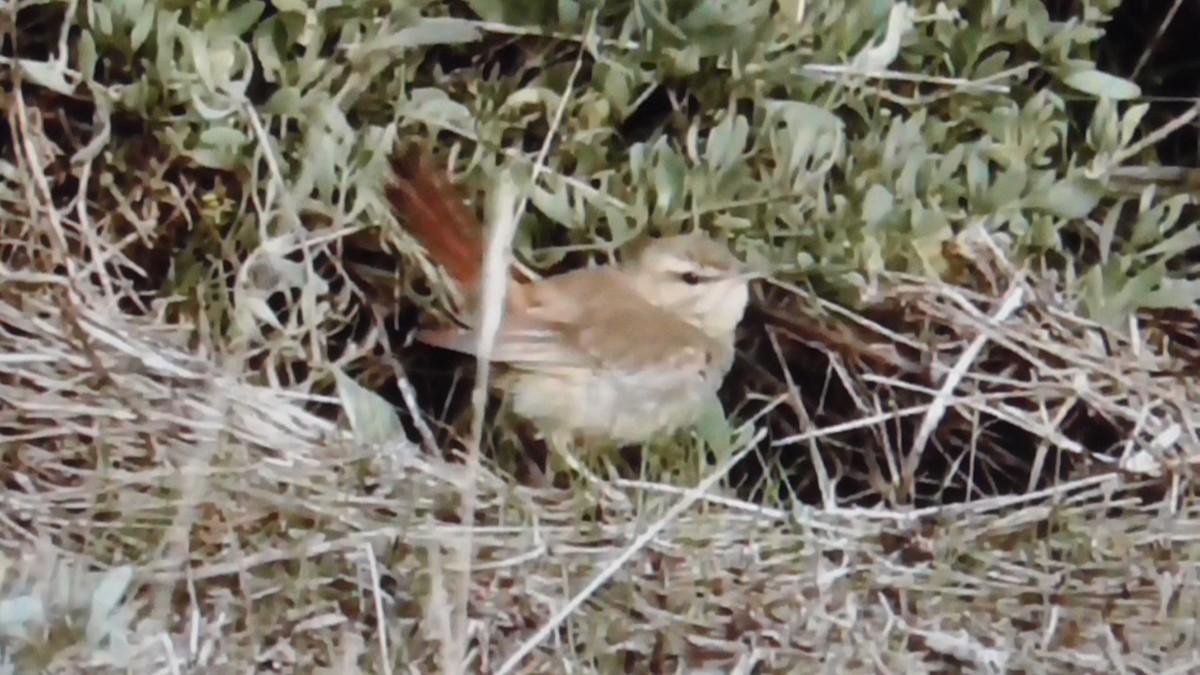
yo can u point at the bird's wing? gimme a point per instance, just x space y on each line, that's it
514 347
587 318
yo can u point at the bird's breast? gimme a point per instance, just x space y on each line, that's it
610 405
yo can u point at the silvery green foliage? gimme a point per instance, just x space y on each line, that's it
63 610
814 165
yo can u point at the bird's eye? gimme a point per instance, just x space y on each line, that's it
690 278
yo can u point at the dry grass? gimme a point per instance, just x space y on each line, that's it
962 475
256 534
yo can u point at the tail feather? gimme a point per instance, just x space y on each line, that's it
438 217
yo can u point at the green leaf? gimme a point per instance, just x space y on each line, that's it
1108 232
434 31
105 599
993 64
1131 120
371 418
16 613
798 114
264 48
877 204
569 12
618 222
1102 85
46 74
167 33
670 175
554 205
198 48
1112 291
978 174
285 101
100 16
88 57
209 112
142 26
213 158
237 21
664 31
1007 190
715 430
1072 197
1152 223
727 143
1104 132
715 27
224 135
525 13
949 165
1173 293
129 9
434 107
1182 241
294 6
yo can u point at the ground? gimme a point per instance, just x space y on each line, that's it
958 436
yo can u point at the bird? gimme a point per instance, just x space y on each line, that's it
618 354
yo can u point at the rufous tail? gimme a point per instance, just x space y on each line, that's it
438 217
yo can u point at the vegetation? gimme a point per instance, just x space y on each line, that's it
960 431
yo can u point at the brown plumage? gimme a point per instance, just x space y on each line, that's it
611 353
438 217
